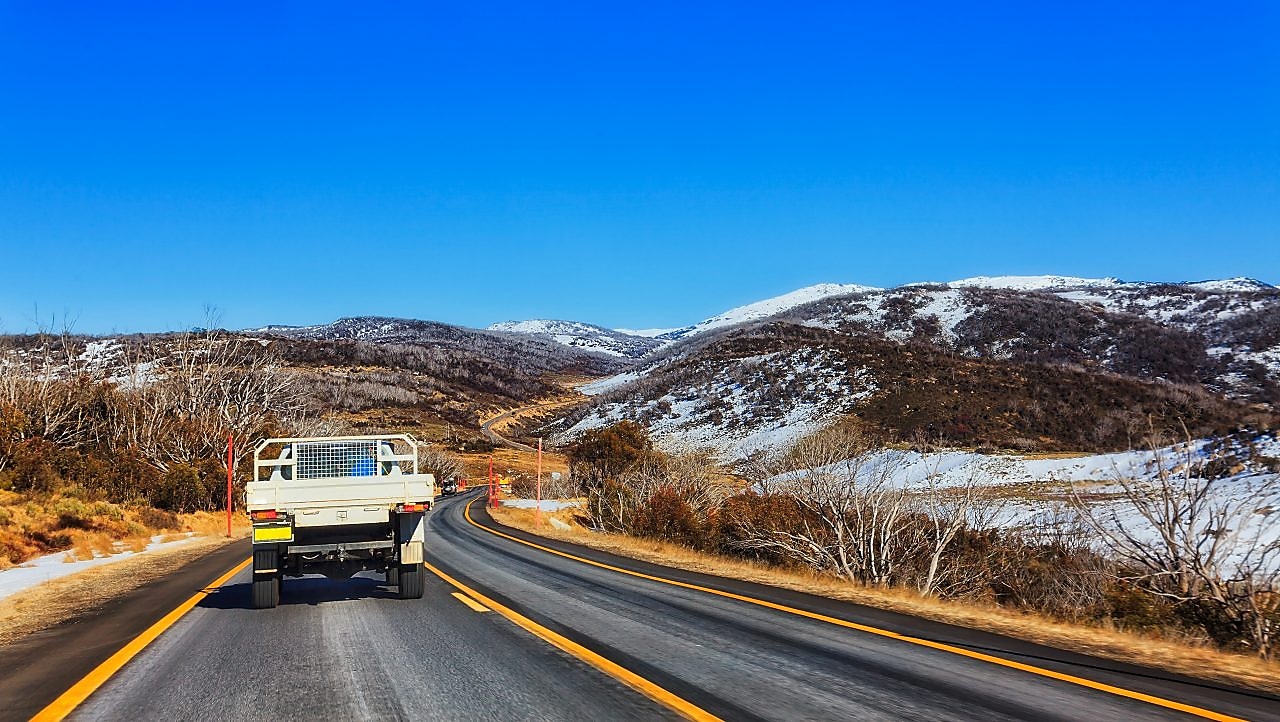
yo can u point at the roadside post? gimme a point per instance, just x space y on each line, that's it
537 513
493 486
230 462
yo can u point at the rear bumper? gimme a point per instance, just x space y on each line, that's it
339 548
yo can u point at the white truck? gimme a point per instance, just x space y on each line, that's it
337 506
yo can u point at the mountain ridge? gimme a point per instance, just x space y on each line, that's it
594 335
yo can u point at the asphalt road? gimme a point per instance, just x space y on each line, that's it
350 650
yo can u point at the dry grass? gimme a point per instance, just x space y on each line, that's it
55 601
513 463
1052 454
32 526
1174 656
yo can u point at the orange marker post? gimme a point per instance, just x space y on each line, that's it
493 486
537 509
230 466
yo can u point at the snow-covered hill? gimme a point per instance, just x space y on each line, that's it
1191 305
768 307
1223 336
759 387
636 344
584 336
1222 333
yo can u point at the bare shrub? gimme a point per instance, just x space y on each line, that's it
853 517
192 390
442 464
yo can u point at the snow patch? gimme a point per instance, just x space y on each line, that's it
547 504
54 566
1240 284
595 388
646 332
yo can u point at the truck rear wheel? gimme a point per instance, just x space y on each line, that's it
393 575
410 581
266 579
266 592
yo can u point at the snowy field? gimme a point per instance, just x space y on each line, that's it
1037 494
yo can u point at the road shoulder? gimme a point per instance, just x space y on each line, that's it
56 633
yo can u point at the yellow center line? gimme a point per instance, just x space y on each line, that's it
74 697
1072 679
473 604
622 674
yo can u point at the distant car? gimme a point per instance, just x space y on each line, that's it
449 487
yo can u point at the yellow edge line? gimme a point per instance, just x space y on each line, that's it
74 697
1120 691
475 606
618 672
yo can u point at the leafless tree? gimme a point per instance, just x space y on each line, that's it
44 390
440 463
853 513
942 512
187 393
1189 537
697 477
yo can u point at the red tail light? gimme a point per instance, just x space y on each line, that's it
264 515
416 506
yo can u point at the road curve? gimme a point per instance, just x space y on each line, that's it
350 650
487 425
744 661
495 437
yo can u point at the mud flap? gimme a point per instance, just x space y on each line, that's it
411 534
411 553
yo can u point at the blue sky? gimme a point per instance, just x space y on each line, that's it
637 165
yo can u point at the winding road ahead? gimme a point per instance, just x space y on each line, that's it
516 627
486 426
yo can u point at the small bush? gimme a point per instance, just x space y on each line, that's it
72 514
32 470
159 519
52 541
667 516
1131 608
181 490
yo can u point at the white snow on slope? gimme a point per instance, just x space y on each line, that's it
912 469
730 413
775 305
646 332
600 386
584 336
1228 285
540 325
1036 283
102 354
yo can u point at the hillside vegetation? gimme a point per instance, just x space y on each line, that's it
780 376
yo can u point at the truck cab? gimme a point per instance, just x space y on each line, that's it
337 506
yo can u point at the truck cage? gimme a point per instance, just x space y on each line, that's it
335 457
